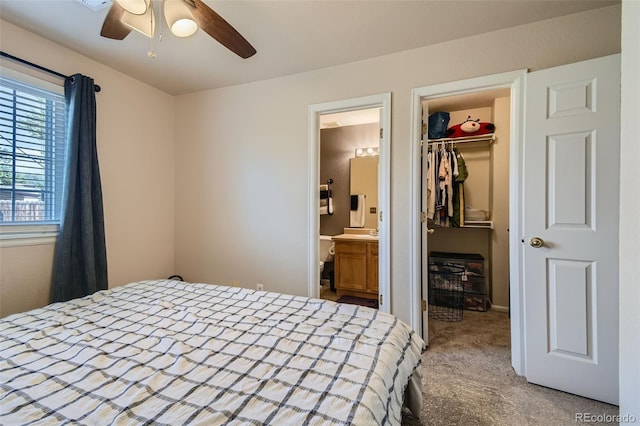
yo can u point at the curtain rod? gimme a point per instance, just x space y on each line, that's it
39 67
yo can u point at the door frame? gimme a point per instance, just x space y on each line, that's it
382 101
515 81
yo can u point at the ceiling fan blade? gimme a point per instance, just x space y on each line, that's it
214 25
113 27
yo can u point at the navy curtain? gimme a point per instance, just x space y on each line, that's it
80 260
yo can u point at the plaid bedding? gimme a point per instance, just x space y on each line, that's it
170 352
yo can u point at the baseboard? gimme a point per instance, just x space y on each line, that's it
500 308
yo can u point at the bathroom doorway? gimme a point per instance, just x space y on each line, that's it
353 130
349 154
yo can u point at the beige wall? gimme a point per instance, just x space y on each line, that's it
25 275
135 134
242 181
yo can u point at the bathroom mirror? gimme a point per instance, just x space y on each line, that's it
363 180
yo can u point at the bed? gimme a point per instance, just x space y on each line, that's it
171 352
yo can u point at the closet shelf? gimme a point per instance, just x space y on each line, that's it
488 138
484 224
477 224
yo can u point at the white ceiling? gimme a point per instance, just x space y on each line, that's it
290 36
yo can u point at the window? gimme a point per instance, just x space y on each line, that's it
32 154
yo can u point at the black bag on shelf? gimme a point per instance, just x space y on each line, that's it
438 124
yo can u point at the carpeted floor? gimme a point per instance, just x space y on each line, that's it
468 380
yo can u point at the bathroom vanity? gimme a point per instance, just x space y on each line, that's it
356 265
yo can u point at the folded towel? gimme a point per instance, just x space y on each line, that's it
326 200
356 217
354 202
326 208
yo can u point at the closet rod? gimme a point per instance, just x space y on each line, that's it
483 138
38 67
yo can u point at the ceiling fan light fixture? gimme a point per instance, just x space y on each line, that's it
137 7
184 27
179 18
145 24
184 18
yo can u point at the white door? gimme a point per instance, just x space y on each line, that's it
424 249
571 199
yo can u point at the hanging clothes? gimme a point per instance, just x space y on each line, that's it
457 218
451 182
436 180
446 172
431 185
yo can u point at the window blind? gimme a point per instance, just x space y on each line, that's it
32 151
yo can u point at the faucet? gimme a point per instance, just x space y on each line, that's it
374 233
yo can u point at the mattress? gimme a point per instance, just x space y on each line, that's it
170 352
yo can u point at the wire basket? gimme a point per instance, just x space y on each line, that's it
446 291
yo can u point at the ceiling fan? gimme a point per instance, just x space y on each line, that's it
183 17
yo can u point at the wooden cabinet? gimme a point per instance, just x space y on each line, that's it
372 267
356 268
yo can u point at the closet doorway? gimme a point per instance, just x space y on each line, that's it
377 212
491 190
467 223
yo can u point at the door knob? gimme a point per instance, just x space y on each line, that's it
536 242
